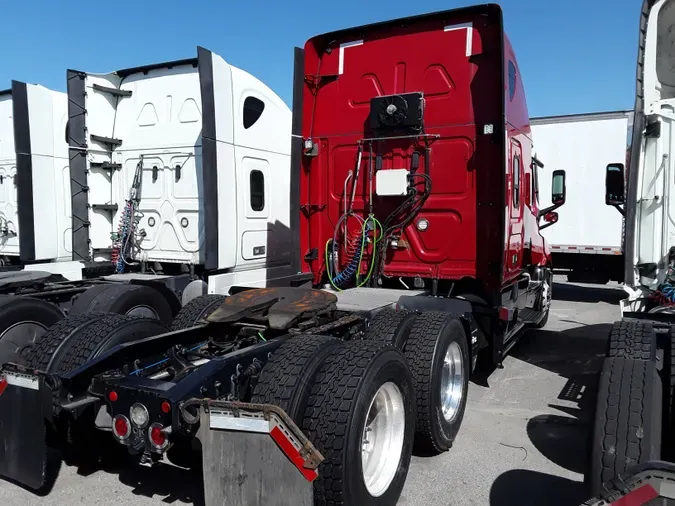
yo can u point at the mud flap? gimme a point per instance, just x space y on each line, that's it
24 399
253 456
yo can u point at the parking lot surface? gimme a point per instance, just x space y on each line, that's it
522 442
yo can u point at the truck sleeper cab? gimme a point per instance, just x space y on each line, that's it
418 170
34 180
173 184
363 373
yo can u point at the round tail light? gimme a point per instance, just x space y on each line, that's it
121 427
157 436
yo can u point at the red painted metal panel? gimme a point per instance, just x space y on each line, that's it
458 60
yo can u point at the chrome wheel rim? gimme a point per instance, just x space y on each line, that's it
144 311
382 439
547 296
452 381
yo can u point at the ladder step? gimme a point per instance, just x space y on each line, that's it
105 165
106 140
113 91
104 207
103 250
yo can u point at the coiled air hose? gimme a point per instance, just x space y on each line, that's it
341 278
668 291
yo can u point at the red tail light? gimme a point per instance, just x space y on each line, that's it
157 436
3 384
121 427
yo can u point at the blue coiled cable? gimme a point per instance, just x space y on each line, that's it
349 271
668 291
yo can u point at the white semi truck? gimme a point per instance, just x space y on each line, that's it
34 179
143 189
586 242
632 443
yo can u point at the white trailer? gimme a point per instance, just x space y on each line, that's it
586 243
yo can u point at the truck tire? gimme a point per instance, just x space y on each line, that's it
438 353
22 321
124 299
390 327
547 297
360 377
627 427
288 377
197 309
633 339
80 338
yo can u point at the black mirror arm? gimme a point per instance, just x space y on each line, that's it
542 212
618 207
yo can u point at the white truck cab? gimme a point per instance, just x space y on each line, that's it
648 201
34 179
180 167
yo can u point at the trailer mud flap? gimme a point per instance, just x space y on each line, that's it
254 455
23 443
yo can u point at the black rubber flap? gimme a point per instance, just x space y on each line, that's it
23 445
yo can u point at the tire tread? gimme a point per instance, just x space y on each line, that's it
195 310
632 339
419 352
385 326
289 370
48 344
624 436
328 413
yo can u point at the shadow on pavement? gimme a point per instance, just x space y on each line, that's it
174 484
575 354
561 439
611 294
520 487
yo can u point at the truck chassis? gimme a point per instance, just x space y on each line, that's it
289 353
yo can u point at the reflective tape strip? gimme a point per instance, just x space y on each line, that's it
21 381
224 422
637 497
600 250
292 453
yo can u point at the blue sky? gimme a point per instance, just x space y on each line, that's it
575 56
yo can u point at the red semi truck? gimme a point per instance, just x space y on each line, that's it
417 215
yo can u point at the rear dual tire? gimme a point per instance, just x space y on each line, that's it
332 390
436 348
124 299
76 340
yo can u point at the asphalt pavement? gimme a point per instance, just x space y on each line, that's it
522 442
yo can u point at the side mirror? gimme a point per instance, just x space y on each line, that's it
558 197
550 218
614 184
558 188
